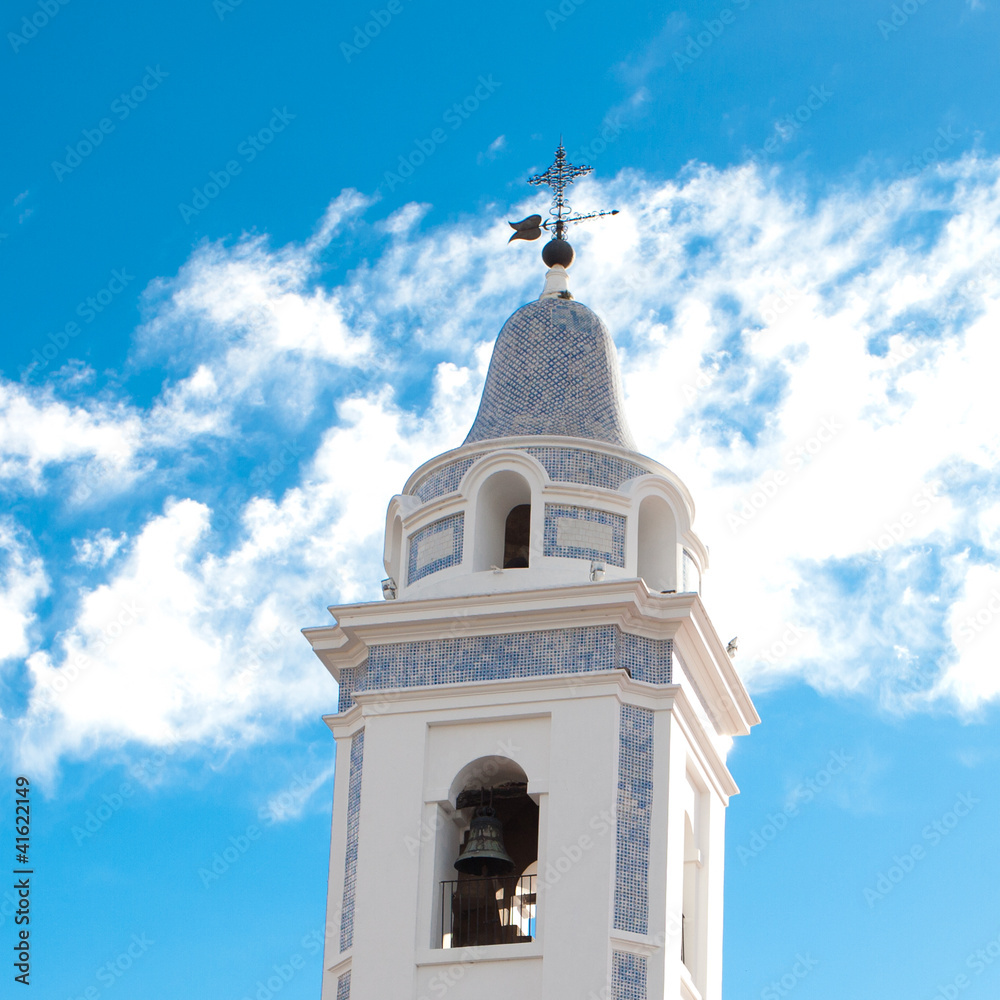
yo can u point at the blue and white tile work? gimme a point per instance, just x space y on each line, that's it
554 371
442 481
351 679
628 976
351 854
649 660
635 797
498 657
564 465
589 468
584 533
435 547
344 987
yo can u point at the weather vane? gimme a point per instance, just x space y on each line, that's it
559 176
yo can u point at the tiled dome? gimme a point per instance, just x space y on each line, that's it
553 371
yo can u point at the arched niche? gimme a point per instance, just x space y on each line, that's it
657 544
502 522
483 910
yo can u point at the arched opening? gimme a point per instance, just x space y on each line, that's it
483 903
503 522
657 554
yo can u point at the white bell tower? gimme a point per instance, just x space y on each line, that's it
543 652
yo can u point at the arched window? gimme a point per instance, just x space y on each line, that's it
503 522
482 903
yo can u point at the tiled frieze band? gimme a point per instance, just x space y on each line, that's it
635 797
584 533
564 465
444 480
499 657
589 468
628 976
344 986
351 854
435 547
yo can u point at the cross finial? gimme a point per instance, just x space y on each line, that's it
559 176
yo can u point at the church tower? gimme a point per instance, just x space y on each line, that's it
532 730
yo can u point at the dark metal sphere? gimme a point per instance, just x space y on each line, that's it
557 252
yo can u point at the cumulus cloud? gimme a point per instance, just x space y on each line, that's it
23 582
819 373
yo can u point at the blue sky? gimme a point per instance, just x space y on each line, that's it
224 293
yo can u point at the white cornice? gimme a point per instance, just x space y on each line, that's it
625 603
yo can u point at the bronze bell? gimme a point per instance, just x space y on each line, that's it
484 852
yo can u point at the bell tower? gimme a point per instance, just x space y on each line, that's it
533 725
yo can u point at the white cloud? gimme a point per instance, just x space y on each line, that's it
23 582
98 549
38 430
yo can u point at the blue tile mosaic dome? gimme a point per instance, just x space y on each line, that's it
553 371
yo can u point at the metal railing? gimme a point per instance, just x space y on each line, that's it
484 911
